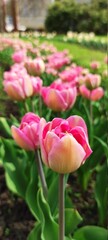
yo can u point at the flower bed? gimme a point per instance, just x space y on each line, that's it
62 114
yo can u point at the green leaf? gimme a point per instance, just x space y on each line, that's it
91 233
2 152
49 226
31 192
101 193
15 163
35 234
5 128
72 219
53 194
104 146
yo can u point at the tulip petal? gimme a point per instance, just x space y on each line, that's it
27 86
21 139
75 121
50 140
66 155
14 91
55 101
81 138
42 125
97 94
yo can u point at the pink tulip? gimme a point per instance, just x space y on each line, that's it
92 80
64 143
97 94
35 67
59 96
37 85
93 95
95 65
58 60
19 56
69 76
27 135
19 89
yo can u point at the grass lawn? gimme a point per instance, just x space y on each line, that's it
81 55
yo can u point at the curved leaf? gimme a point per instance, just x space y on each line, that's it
91 232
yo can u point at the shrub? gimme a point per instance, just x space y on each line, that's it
68 15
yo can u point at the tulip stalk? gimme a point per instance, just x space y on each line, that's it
41 173
91 123
26 106
61 208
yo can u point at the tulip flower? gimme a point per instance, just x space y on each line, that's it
35 67
37 84
19 56
92 80
94 95
64 143
59 96
58 60
27 135
19 89
95 65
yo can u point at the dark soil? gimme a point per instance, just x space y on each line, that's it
16 220
84 202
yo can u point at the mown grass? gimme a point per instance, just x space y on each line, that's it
81 55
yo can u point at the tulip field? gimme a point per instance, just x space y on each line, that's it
53 139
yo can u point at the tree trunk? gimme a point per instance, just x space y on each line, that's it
14 14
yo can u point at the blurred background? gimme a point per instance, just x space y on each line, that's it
54 15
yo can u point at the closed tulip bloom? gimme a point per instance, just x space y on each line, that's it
94 95
19 56
64 143
97 94
37 84
71 74
35 67
59 96
19 89
95 65
92 80
27 135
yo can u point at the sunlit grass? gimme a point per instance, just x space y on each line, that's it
81 55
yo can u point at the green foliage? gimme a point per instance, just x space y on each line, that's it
73 219
6 58
91 232
101 193
69 15
16 165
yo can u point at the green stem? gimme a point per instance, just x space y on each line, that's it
91 123
61 208
40 106
26 106
32 104
41 173
91 111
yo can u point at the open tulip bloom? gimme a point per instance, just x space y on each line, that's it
64 143
64 147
